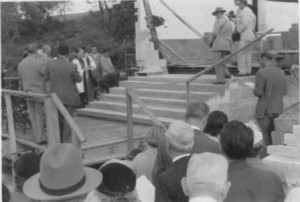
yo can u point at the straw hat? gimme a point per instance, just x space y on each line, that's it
218 10
62 175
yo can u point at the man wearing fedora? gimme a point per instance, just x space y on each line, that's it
62 176
221 43
179 144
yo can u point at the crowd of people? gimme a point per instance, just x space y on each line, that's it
76 76
204 158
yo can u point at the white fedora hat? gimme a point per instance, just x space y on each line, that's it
62 175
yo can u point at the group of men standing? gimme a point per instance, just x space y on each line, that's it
75 81
243 24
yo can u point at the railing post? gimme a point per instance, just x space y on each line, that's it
129 120
11 129
188 93
53 132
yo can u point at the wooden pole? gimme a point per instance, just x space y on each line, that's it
129 120
27 143
182 20
174 53
67 117
53 132
188 93
12 134
148 112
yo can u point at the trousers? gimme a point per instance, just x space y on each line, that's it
37 117
244 58
221 70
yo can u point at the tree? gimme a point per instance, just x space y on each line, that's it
10 19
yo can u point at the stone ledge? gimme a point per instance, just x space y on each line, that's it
292 140
296 130
289 166
284 151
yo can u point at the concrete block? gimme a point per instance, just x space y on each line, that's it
284 151
292 140
289 166
296 130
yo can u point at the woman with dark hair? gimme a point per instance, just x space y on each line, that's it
215 122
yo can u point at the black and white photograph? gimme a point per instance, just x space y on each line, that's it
150 101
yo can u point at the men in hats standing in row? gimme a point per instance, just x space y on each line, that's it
63 75
221 44
180 141
30 70
62 176
245 25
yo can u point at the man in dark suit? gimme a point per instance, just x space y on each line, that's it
179 143
270 87
248 183
63 75
196 117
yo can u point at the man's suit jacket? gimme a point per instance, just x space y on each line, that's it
223 32
270 87
63 75
30 70
249 184
168 187
202 143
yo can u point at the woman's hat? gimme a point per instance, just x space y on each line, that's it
62 175
118 178
218 10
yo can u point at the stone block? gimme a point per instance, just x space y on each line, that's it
289 166
292 140
296 130
287 151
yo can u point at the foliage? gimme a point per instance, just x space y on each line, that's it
33 22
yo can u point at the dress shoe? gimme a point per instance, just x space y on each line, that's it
228 77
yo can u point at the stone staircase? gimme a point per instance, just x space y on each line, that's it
104 122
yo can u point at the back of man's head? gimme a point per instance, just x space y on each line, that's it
32 48
63 50
180 137
236 140
206 176
245 2
197 110
46 49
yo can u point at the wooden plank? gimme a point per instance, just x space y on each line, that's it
67 117
11 129
148 112
53 132
26 143
21 93
129 120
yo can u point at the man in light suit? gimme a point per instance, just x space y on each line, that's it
270 87
30 71
221 44
179 144
63 75
245 25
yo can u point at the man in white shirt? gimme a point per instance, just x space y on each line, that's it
206 178
245 25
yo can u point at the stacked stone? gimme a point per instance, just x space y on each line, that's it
287 157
